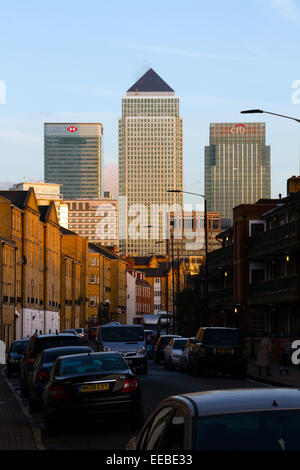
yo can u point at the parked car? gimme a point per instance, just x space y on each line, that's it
160 345
14 355
256 419
184 358
37 344
218 350
129 340
92 333
81 332
40 374
149 347
89 386
173 352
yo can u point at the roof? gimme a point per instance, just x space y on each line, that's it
103 251
141 260
150 81
43 211
66 231
18 198
241 400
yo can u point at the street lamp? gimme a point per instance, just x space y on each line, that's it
206 246
256 111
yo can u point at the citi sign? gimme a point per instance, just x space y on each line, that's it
238 129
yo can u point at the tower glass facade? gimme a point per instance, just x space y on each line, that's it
150 163
237 166
73 158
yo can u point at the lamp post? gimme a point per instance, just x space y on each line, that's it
260 111
206 320
173 293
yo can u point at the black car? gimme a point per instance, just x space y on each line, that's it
218 350
38 343
89 386
14 355
256 419
159 347
40 374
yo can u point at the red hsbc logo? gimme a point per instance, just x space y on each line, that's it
72 129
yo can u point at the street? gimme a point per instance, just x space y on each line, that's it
157 385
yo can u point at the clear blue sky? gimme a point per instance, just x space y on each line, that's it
73 61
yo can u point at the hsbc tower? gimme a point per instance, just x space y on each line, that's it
237 166
73 158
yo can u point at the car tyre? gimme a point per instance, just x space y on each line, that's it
137 420
51 425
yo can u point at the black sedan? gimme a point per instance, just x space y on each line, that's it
89 386
14 355
256 419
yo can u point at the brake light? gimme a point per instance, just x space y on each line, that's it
58 392
31 361
202 351
129 385
42 374
244 353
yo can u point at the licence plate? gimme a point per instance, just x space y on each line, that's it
225 351
94 387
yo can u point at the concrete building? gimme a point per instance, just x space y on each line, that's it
237 166
45 193
94 219
150 163
73 158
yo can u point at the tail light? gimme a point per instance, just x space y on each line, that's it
244 353
201 351
58 392
42 375
31 361
130 385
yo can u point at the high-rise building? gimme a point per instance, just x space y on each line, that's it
237 166
150 163
73 158
94 219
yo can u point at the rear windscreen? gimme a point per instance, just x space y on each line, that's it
91 364
179 343
56 342
222 337
19 346
123 334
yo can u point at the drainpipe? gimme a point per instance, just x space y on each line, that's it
15 292
1 290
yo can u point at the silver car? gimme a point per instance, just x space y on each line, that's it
173 351
184 361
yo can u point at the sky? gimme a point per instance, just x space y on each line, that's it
74 61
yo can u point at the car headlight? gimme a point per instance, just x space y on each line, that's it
106 349
141 350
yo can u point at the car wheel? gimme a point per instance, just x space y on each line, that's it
24 388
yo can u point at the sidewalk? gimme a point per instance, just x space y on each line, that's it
17 431
277 380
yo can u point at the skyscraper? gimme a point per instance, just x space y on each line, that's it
237 166
150 163
73 158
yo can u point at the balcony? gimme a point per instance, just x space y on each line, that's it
223 297
221 257
278 291
280 239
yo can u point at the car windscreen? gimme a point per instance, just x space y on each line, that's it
263 430
91 364
51 355
19 346
231 337
56 342
179 343
164 341
123 334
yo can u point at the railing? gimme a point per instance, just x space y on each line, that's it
275 285
260 240
218 257
218 296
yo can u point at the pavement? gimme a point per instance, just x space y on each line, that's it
17 431
277 380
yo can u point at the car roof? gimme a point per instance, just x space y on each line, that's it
94 354
120 325
66 348
21 340
218 328
170 336
181 338
242 400
54 335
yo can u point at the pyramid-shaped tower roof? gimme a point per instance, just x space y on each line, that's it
150 82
